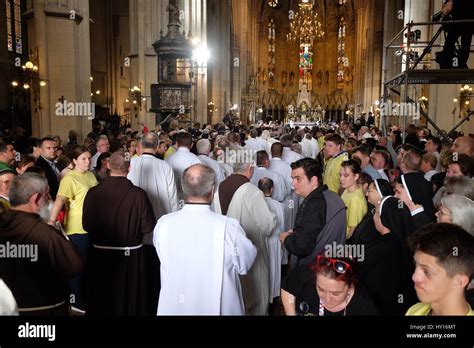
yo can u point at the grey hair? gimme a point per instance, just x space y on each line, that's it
461 185
286 140
462 211
243 161
197 181
150 141
24 186
203 147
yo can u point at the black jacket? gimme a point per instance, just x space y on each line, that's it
53 181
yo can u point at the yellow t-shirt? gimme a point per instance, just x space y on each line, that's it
356 207
321 142
74 188
421 309
332 168
171 150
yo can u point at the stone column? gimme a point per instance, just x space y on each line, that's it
63 45
147 18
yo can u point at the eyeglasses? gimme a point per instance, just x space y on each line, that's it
338 265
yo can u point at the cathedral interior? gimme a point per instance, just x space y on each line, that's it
288 60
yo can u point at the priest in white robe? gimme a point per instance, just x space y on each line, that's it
203 148
262 170
254 144
288 155
238 198
182 159
202 254
274 245
154 176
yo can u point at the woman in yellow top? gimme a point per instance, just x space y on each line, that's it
353 195
444 259
72 192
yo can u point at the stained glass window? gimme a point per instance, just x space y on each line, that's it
306 67
342 60
14 34
9 25
271 52
17 18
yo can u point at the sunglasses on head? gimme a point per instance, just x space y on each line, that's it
338 266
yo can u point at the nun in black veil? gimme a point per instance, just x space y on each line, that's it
418 196
387 268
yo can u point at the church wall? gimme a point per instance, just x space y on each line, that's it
64 62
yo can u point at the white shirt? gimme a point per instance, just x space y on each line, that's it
429 175
94 160
290 156
156 177
202 255
181 160
383 175
280 190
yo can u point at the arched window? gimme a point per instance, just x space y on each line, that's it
306 67
271 51
342 60
13 17
342 2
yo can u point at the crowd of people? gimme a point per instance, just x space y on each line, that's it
334 220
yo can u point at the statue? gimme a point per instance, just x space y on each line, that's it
173 9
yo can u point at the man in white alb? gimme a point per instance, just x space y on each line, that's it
202 254
154 176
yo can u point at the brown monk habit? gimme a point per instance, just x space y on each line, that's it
227 189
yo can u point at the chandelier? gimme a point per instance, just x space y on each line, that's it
305 26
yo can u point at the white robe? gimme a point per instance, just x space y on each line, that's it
280 190
254 145
275 248
315 148
306 148
8 304
208 161
249 207
291 201
202 255
290 156
228 169
156 177
181 160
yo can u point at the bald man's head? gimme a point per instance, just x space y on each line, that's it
464 145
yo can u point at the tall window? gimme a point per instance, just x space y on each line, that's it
342 60
271 51
306 67
13 16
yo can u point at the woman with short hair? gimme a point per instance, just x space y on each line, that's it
458 210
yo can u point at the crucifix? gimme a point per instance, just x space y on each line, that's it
62 99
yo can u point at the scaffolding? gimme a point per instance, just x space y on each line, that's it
411 76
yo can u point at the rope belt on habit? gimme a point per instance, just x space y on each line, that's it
126 249
37 309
